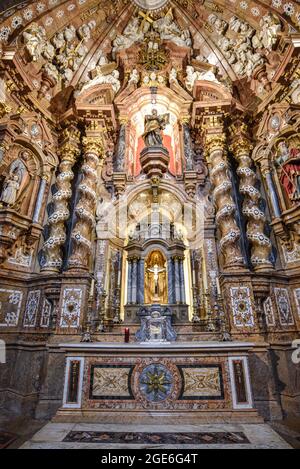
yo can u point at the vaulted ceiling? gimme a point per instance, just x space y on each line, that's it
111 17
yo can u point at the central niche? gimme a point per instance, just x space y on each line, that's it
156 285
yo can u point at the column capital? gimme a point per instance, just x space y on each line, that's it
241 146
93 145
215 142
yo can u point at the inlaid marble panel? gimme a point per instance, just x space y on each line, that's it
110 382
31 309
135 383
202 382
10 307
284 307
241 307
71 308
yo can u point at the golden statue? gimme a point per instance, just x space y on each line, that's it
156 279
154 125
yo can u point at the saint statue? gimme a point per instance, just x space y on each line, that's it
154 125
288 161
10 189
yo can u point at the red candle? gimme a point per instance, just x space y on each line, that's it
127 335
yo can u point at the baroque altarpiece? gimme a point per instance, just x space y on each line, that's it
150 183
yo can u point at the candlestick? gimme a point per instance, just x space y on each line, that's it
127 335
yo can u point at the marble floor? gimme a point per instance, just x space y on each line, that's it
253 436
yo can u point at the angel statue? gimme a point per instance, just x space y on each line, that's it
154 125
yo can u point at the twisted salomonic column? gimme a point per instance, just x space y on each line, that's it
260 243
61 199
86 205
215 142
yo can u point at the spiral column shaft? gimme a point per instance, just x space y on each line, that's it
222 189
61 199
260 243
86 205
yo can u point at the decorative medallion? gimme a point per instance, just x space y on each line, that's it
156 382
151 5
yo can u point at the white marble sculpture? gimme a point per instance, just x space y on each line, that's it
192 76
173 75
34 38
10 188
131 34
134 77
102 79
219 25
170 31
268 36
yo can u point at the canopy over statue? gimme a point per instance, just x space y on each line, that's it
154 125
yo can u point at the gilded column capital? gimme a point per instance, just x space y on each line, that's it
185 120
93 145
69 151
215 142
123 120
241 147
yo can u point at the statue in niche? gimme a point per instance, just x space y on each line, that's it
156 279
10 189
288 162
154 125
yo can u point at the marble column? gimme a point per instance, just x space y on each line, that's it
61 199
39 200
255 227
177 280
267 174
171 281
182 284
188 149
134 281
141 284
216 154
85 209
129 282
120 153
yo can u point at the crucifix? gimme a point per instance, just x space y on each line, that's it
146 19
156 271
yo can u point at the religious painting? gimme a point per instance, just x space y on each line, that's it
288 166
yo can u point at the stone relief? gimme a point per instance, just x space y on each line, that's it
166 27
35 39
192 76
244 49
105 73
64 52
